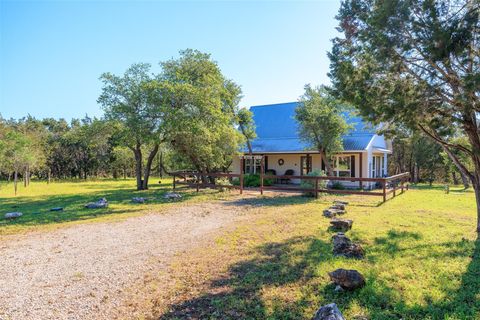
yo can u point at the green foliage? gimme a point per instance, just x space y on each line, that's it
247 126
137 106
416 64
322 123
200 120
337 185
310 184
253 180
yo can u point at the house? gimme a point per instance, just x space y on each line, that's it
364 155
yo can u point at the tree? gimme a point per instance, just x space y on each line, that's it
123 160
17 153
132 101
466 160
321 121
200 119
416 63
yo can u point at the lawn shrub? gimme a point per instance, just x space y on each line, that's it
253 180
337 185
310 184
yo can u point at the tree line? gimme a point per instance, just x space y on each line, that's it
185 116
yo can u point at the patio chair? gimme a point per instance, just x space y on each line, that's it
289 172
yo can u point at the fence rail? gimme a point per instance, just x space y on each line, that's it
389 185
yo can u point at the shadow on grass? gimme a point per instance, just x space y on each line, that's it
36 210
239 296
293 263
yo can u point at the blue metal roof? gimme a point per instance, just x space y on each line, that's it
277 130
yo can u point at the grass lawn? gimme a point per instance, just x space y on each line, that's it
422 262
36 200
422 257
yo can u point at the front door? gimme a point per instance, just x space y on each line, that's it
305 165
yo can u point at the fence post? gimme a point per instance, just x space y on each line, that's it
173 181
198 182
241 175
384 190
261 175
316 188
394 188
401 184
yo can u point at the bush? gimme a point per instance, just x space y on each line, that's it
310 184
337 185
253 180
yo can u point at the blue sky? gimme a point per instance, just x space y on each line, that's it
52 53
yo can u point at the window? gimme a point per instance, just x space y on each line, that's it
305 165
253 165
342 166
378 166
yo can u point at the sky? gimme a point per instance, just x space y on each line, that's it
52 53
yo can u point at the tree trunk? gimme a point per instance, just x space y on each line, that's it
25 179
124 173
15 180
465 182
454 177
49 175
148 166
476 188
327 164
138 166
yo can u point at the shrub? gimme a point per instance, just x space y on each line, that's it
337 185
310 184
253 180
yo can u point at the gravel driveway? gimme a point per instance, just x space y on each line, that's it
82 272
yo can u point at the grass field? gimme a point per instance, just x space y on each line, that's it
422 262
422 257
36 200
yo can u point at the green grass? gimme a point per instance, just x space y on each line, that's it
422 262
36 200
422 257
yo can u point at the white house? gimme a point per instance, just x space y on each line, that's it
364 155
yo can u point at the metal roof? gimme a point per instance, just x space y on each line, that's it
277 130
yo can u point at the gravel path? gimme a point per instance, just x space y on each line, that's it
81 272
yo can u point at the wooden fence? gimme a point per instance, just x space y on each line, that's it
388 185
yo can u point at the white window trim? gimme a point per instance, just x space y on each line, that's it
336 170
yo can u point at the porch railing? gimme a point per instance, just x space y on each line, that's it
388 185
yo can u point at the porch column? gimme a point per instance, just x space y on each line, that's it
385 169
369 163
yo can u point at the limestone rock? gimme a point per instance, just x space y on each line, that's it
341 224
102 203
139 200
13 215
329 213
340 202
57 209
338 206
347 279
328 312
342 246
172 195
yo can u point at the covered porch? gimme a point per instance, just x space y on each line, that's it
349 164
